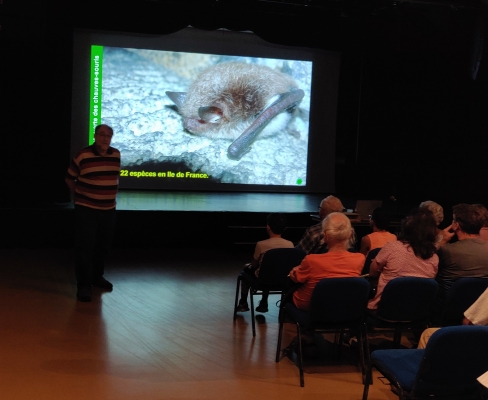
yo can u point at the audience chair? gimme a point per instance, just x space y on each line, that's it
447 368
406 304
463 293
373 281
369 258
337 305
273 276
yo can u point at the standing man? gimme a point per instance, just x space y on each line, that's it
93 177
312 241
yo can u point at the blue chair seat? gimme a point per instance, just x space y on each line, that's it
447 368
404 364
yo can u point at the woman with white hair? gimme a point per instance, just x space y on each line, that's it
338 262
438 213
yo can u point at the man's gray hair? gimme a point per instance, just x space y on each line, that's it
331 204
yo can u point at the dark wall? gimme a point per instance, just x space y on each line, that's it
411 118
421 116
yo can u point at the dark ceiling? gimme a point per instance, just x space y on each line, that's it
327 24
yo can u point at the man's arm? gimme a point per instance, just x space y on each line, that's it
477 314
365 245
71 184
72 174
375 269
447 235
256 258
300 273
379 262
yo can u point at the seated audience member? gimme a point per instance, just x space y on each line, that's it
312 241
476 314
276 224
379 222
466 258
412 255
338 262
484 229
438 212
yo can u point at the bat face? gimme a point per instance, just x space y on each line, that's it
226 100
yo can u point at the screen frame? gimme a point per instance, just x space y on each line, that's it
324 93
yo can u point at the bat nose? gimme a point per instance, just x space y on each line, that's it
195 125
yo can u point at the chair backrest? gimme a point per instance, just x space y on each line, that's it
277 264
454 357
463 293
338 301
407 299
370 257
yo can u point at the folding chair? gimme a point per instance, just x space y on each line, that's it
447 368
406 304
273 276
337 305
463 293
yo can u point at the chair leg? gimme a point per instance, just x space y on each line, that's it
366 383
280 309
253 322
367 354
281 322
299 355
364 353
397 338
338 339
237 296
280 338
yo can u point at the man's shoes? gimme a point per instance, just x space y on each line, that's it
242 306
262 307
84 293
351 340
101 282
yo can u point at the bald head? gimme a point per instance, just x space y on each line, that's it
329 205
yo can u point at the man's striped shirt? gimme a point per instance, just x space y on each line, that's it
96 177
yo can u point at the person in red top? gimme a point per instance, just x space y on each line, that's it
379 221
338 262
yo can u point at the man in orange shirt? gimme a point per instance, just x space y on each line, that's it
338 262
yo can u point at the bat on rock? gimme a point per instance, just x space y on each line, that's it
238 101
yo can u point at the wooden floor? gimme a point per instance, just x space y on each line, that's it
165 332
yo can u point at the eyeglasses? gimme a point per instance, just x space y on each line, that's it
104 135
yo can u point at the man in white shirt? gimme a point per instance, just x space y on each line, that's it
276 224
476 314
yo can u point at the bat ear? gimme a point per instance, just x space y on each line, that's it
177 97
210 114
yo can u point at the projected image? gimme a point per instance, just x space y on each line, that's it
205 118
